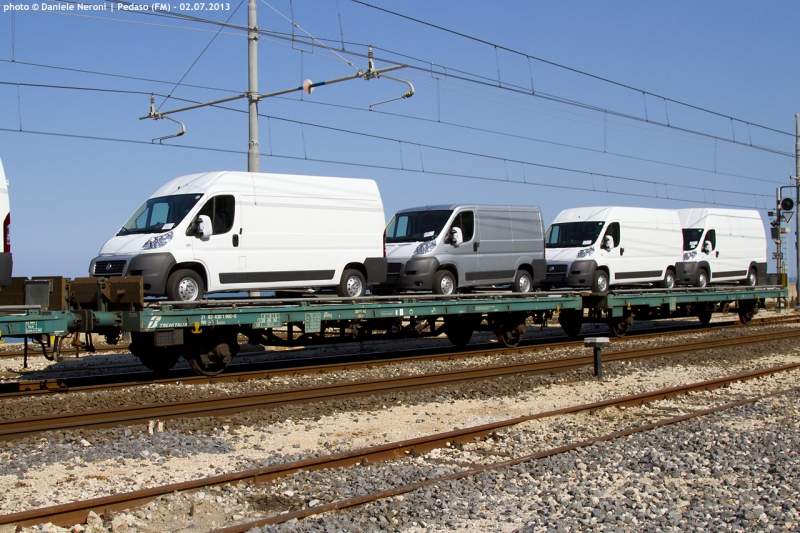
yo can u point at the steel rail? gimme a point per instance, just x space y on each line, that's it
367 498
320 364
76 512
227 405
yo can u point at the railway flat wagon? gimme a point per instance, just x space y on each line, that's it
206 332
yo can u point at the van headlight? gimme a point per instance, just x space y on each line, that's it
158 241
425 247
689 255
586 252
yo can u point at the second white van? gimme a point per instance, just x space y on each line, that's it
240 231
599 247
722 245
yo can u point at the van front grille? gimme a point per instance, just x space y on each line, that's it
393 269
556 269
108 268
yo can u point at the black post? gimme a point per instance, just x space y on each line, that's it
598 364
25 354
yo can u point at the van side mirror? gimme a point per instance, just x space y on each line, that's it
608 243
456 237
204 228
707 247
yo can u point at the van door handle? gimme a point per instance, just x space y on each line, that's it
475 246
717 254
235 240
622 251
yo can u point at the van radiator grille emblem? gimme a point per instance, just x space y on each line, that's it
109 268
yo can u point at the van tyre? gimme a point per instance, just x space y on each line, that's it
185 286
669 280
353 284
702 278
600 282
444 283
522 282
752 278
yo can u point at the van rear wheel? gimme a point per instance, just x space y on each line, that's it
669 280
352 285
752 278
185 286
522 282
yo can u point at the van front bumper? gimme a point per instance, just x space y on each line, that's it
686 272
577 274
154 269
415 274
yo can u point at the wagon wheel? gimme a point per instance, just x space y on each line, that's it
156 358
571 321
210 356
459 329
510 329
618 328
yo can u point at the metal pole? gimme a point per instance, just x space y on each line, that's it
252 92
598 362
797 207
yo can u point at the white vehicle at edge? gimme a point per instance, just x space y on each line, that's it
722 245
240 231
599 247
6 262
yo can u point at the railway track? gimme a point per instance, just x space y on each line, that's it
253 371
227 405
76 512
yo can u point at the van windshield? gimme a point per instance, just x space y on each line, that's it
572 234
158 215
416 226
691 238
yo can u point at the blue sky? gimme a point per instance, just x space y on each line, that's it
472 133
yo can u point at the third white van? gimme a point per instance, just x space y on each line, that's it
722 245
599 247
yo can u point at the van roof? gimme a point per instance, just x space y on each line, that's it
606 212
695 216
450 207
267 183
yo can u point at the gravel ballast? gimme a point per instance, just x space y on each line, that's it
64 467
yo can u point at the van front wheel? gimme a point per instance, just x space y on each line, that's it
185 286
600 283
352 285
444 282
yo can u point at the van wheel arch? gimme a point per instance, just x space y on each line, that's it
357 266
197 267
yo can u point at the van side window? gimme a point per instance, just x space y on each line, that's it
220 209
466 221
711 236
613 231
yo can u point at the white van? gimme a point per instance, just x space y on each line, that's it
443 248
240 231
5 214
599 247
722 245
